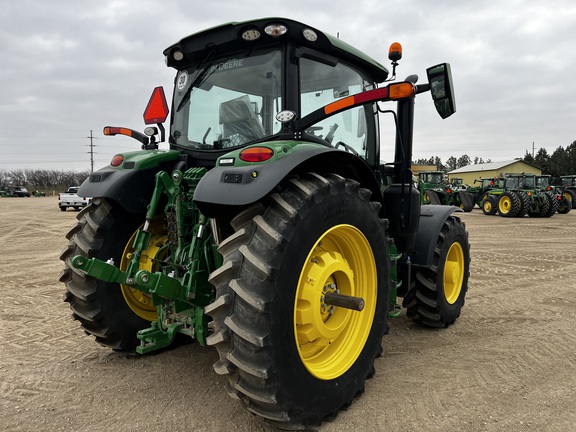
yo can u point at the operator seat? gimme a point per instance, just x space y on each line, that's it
239 122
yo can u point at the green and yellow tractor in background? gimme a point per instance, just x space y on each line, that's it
520 196
480 194
562 197
569 188
433 190
266 229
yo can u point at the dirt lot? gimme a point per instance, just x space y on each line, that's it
508 364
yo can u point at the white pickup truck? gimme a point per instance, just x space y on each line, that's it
70 198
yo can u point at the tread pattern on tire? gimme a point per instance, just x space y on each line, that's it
97 305
422 301
245 291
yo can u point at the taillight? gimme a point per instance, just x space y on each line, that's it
256 154
117 160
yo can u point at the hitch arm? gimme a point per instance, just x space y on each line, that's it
156 284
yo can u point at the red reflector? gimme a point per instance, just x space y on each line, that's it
157 109
117 160
256 154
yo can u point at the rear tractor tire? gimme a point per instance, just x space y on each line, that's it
565 205
466 201
290 357
111 312
508 204
552 204
524 204
434 197
438 292
571 196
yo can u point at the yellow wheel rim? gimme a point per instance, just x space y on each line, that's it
487 206
454 273
505 204
331 338
138 301
568 197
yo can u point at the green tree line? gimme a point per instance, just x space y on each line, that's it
561 162
41 179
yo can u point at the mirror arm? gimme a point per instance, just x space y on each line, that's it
422 88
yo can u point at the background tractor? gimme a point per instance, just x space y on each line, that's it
561 195
520 196
429 183
266 229
479 191
434 191
569 188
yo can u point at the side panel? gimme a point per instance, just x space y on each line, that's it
230 186
432 218
132 189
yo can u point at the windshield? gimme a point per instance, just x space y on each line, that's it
542 182
520 182
227 102
232 101
435 178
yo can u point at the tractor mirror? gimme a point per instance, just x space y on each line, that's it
440 79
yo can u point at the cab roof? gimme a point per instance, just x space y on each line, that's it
228 38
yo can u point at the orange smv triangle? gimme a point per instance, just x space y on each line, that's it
157 109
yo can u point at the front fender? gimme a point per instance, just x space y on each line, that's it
432 217
224 187
131 184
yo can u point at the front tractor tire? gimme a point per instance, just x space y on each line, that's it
108 311
290 357
438 291
490 205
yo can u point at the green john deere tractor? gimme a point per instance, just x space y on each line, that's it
479 192
434 191
266 229
569 188
521 196
562 197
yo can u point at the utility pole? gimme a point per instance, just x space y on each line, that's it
92 138
532 150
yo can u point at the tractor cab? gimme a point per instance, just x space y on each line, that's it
260 80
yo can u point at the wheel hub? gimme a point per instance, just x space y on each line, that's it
139 301
330 338
453 273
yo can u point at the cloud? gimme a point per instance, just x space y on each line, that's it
70 67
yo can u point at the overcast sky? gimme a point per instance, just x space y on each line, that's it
69 67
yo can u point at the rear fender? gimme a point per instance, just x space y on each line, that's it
432 218
225 188
131 184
